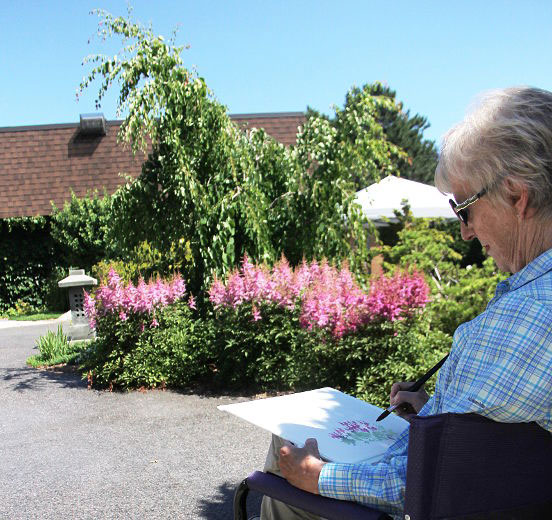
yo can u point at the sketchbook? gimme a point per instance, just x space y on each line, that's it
344 426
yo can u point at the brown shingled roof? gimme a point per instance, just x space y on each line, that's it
39 164
282 127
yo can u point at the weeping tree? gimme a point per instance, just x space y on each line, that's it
226 191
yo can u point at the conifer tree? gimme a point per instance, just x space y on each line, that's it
399 127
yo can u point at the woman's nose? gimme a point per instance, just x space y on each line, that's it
466 231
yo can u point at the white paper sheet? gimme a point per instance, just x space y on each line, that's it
345 427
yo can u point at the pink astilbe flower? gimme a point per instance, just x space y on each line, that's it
90 309
217 293
124 301
333 301
397 296
329 298
177 289
235 289
141 303
256 313
113 279
283 284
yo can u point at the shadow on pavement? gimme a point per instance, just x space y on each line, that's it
220 505
32 379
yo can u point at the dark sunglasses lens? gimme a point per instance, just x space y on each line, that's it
461 214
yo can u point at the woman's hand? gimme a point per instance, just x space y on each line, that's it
411 402
301 466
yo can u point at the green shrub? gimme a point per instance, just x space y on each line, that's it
107 356
228 350
276 353
468 297
21 308
403 352
267 354
80 230
29 258
422 245
177 352
145 261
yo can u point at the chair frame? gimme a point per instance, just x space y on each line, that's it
460 466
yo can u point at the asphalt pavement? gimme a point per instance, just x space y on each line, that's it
70 452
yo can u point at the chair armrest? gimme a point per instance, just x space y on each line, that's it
280 489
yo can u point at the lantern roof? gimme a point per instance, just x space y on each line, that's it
77 278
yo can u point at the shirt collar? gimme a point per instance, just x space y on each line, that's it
539 266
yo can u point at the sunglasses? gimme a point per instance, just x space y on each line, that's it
461 211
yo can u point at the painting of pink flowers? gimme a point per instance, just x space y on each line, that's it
353 432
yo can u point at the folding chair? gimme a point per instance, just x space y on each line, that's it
460 466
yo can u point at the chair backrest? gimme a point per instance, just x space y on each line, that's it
470 467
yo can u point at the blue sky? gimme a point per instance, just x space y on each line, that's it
285 55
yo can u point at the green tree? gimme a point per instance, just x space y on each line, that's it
198 183
407 131
225 191
402 130
331 158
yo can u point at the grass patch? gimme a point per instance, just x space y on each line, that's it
69 358
34 317
55 349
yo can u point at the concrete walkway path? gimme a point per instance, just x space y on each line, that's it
10 324
70 452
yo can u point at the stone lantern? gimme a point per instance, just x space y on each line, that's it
76 282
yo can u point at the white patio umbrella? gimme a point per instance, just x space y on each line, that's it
380 199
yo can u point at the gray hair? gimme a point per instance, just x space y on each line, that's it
508 135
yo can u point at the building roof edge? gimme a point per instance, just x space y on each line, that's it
113 122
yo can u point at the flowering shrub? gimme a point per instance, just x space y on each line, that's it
141 300
268 329
329 298
396 296
313 326
124 316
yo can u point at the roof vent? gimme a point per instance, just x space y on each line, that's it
92 124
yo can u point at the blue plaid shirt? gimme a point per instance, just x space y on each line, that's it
500 366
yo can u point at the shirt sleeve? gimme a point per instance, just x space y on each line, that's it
380 485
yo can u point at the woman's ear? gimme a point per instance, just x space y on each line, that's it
518 196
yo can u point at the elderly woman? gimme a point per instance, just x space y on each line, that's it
497 164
